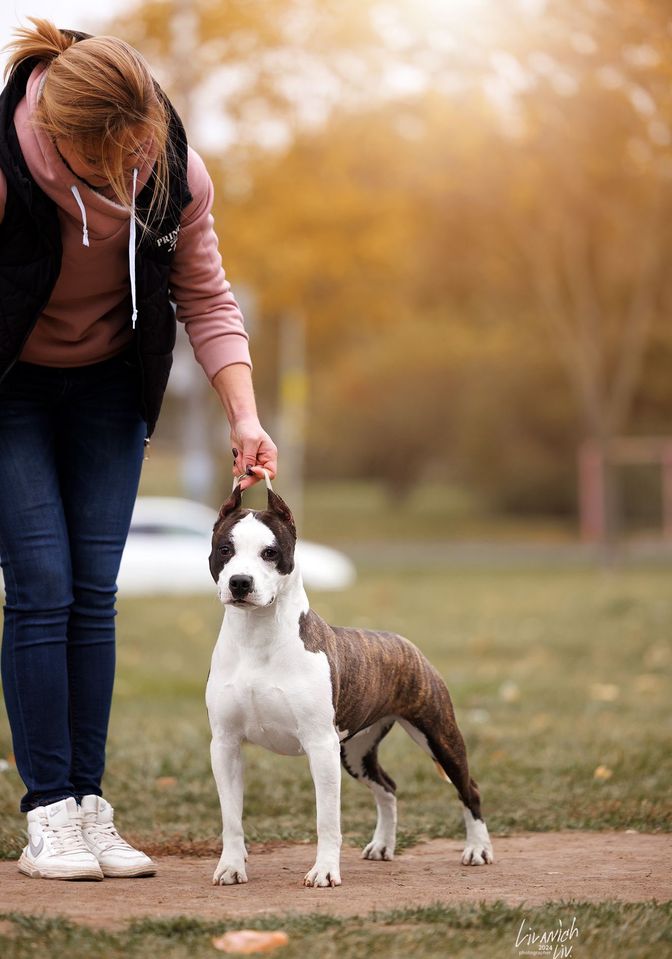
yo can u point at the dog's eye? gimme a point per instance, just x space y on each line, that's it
224 550
269 553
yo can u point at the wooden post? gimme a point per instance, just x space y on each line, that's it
592 504
666 462
293 380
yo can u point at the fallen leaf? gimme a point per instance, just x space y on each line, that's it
602 773
649 683
657 656
604 692
166 782
540 722
509 692
479 716
248 941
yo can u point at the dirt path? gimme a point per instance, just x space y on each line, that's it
529 869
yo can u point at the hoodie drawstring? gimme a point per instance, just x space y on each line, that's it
131 251
82 210
131 239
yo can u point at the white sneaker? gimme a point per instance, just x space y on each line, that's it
56 848
115 856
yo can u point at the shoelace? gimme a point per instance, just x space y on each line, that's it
105 835
66 838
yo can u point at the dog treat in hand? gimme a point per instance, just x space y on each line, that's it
248 941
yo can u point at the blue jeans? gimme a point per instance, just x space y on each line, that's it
71 450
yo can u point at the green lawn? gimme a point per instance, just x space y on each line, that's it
603 931
555 674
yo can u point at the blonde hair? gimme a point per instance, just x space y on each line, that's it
99 95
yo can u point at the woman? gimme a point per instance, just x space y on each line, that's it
105 219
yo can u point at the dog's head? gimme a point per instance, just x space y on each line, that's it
252 551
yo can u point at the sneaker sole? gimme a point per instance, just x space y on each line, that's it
34 872
128 872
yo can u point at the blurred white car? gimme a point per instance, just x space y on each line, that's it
169 544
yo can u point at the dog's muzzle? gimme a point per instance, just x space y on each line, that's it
240 586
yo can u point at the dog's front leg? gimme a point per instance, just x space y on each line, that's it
227 767
324 758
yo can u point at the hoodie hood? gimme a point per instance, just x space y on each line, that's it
54 177
99 217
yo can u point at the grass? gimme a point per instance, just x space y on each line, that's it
352 513
604 930
556 675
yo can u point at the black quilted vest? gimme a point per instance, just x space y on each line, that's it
31 251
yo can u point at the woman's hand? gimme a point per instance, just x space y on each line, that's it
253 450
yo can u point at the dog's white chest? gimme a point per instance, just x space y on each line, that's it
275 701
267 716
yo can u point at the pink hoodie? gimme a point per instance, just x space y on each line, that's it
88 317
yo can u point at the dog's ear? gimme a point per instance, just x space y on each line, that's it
232 505
278 506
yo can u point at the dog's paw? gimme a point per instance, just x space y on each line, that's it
477 854
323 876
228 874
378 850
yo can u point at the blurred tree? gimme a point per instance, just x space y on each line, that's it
595 130
463 208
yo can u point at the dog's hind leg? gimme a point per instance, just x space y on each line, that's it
359 756
450 756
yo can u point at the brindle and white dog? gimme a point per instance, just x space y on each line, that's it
282 678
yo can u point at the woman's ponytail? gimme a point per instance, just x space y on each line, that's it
100 97
44 41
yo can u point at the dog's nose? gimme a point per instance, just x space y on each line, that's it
241 585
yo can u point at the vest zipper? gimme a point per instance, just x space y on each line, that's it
143 404
32 326
13 362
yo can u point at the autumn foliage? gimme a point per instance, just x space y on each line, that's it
470 203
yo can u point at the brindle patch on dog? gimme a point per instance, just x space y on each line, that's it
371 767
379 674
